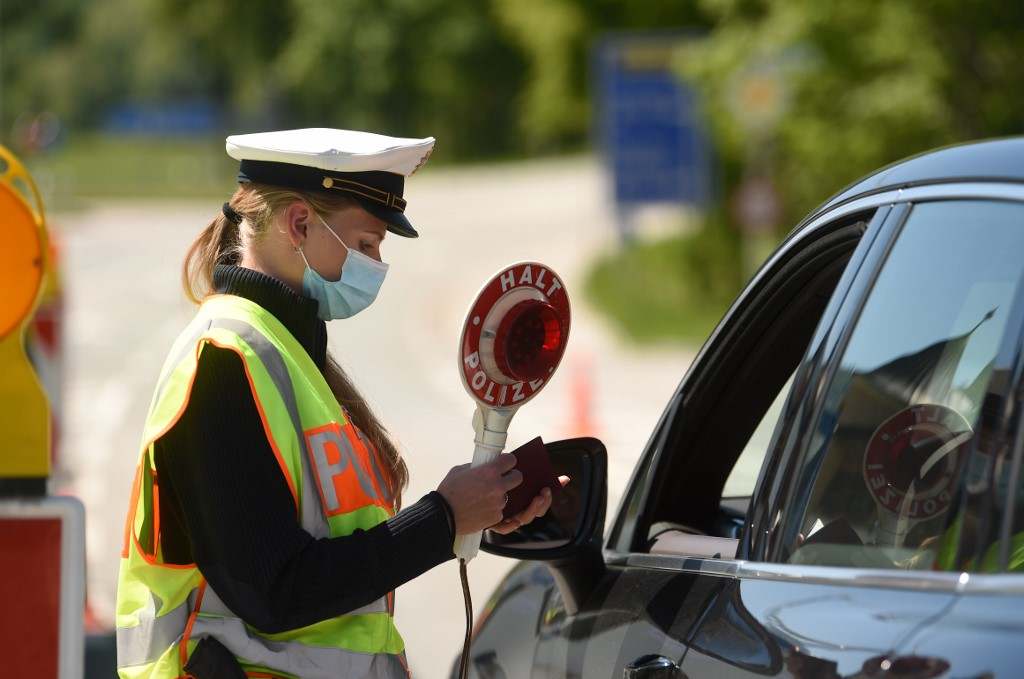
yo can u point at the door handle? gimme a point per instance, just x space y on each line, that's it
652 667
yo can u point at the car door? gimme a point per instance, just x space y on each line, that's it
879 488
642 608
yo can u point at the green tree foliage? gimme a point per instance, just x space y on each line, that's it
408 67
489 78
556 37
862 84
814 95
77 59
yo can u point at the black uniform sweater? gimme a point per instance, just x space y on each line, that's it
225 505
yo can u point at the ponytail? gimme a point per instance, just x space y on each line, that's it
222 241
217 244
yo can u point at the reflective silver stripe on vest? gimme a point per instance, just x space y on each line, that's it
147 641
200 327
308 662
214 605
312 518
378 606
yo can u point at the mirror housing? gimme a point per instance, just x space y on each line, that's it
576 516
570 535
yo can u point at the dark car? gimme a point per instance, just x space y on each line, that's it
835 488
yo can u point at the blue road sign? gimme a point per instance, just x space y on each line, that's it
650 123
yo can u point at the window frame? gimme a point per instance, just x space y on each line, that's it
803 408
750 562
635 502
782 531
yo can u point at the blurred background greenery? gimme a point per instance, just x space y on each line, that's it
854 85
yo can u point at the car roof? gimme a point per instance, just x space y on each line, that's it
1000 160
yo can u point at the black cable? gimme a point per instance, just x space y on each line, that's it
464 662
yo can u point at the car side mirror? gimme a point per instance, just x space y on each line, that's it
575 520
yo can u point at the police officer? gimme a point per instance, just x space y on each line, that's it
265 530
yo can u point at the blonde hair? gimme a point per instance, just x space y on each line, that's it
223 242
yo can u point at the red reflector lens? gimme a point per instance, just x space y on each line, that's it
528 343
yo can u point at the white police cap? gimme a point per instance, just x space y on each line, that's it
371 168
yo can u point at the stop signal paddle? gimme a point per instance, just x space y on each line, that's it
512 341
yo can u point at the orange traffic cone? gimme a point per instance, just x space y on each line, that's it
581 397
93 624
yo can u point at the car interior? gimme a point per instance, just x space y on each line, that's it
717 440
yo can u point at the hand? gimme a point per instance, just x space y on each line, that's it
477 494
537 508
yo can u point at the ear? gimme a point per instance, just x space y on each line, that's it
295 222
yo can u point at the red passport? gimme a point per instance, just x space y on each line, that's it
533 461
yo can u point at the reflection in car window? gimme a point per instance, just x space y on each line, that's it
890 448
743 476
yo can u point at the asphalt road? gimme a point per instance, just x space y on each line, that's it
125 306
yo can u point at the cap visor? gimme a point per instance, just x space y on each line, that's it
396 221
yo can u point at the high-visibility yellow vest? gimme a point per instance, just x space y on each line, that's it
335 478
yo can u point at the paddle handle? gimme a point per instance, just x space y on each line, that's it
466 546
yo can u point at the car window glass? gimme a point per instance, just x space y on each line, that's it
743 476
719 438
891 446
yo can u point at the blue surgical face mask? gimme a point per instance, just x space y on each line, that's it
361 278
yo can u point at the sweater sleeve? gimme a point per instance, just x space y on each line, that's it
226 506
